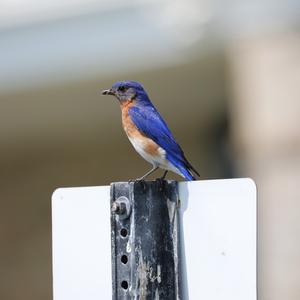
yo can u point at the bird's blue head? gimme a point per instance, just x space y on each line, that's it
127 91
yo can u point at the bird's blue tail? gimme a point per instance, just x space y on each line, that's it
186 173
184 167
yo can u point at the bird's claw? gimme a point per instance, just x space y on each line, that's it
141 181
161 183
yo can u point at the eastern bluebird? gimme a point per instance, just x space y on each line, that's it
148 132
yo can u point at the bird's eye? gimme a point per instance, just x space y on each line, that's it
122 88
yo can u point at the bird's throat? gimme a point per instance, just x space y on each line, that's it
127 103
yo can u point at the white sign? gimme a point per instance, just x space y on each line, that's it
218 222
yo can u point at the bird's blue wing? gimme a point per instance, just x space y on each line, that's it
148 120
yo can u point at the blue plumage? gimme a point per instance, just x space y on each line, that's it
148 120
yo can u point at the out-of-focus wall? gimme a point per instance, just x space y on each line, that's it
265 114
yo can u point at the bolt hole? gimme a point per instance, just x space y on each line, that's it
124 232
124 284
124 259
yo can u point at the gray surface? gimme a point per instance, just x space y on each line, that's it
151 246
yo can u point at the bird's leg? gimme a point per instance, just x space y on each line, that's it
164 175
141 179
161 181
148 173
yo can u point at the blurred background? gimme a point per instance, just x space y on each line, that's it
224 74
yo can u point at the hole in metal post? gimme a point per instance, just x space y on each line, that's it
124 284
124 259
123 232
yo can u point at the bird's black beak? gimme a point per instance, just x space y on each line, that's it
108 92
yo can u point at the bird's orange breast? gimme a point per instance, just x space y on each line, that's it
134 133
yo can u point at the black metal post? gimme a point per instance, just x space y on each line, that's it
145 240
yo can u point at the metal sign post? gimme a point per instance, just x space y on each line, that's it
144 224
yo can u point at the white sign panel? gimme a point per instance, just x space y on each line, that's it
218 223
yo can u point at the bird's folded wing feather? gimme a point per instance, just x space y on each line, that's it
148 120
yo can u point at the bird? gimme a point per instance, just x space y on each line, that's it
148 132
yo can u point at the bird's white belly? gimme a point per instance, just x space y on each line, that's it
158 160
